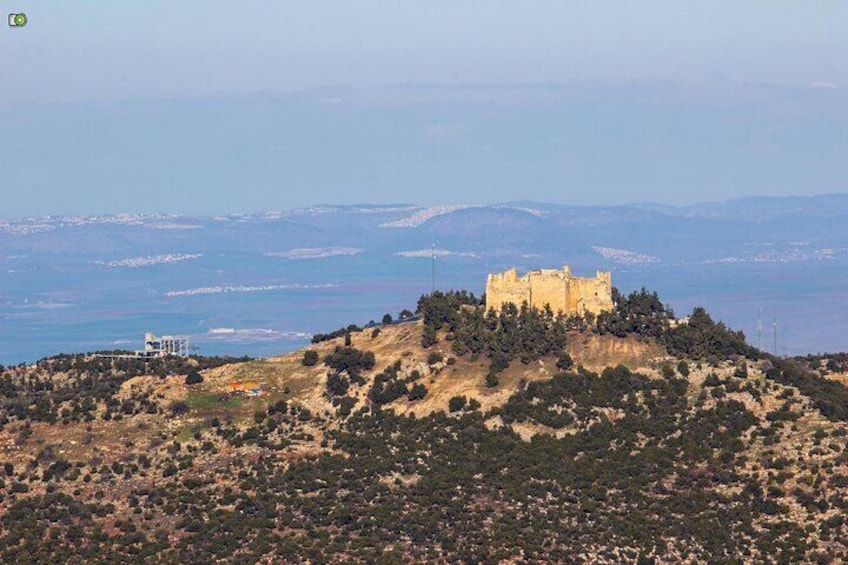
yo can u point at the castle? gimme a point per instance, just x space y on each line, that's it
561 290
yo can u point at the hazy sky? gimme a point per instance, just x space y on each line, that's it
209 106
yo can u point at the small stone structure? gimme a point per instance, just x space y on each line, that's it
564 292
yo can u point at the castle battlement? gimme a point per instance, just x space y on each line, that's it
558 288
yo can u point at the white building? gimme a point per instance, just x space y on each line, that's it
164 346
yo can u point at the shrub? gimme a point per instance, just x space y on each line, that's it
337 385
346 404
387 386
565 362
434 357
417 392
712 380
457 403
310 358
492 380
499 362
318 338
350 359
429 338
683 368
193 378
178 407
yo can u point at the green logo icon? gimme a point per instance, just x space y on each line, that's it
17 20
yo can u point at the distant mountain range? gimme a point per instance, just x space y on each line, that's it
751 229
781 255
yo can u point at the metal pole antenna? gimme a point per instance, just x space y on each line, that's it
433 270
760 330
774 330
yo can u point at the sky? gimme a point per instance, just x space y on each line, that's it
213 107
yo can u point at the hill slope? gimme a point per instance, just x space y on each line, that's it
632 456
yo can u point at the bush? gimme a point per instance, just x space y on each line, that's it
457 403
428 339
492 380
310 358
434 357
337 385
417 392
667 370
193 378
683 368
178 407
318 338
350 359
500 362
19 487
387 319
712 380
387 386
346 405
565 362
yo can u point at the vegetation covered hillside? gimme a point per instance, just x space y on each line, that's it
459 436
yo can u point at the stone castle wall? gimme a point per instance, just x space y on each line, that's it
558 288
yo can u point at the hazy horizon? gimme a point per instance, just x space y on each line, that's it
197 108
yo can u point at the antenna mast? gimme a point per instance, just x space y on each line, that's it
760 329
433 256
774 329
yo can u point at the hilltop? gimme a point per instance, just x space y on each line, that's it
457 437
